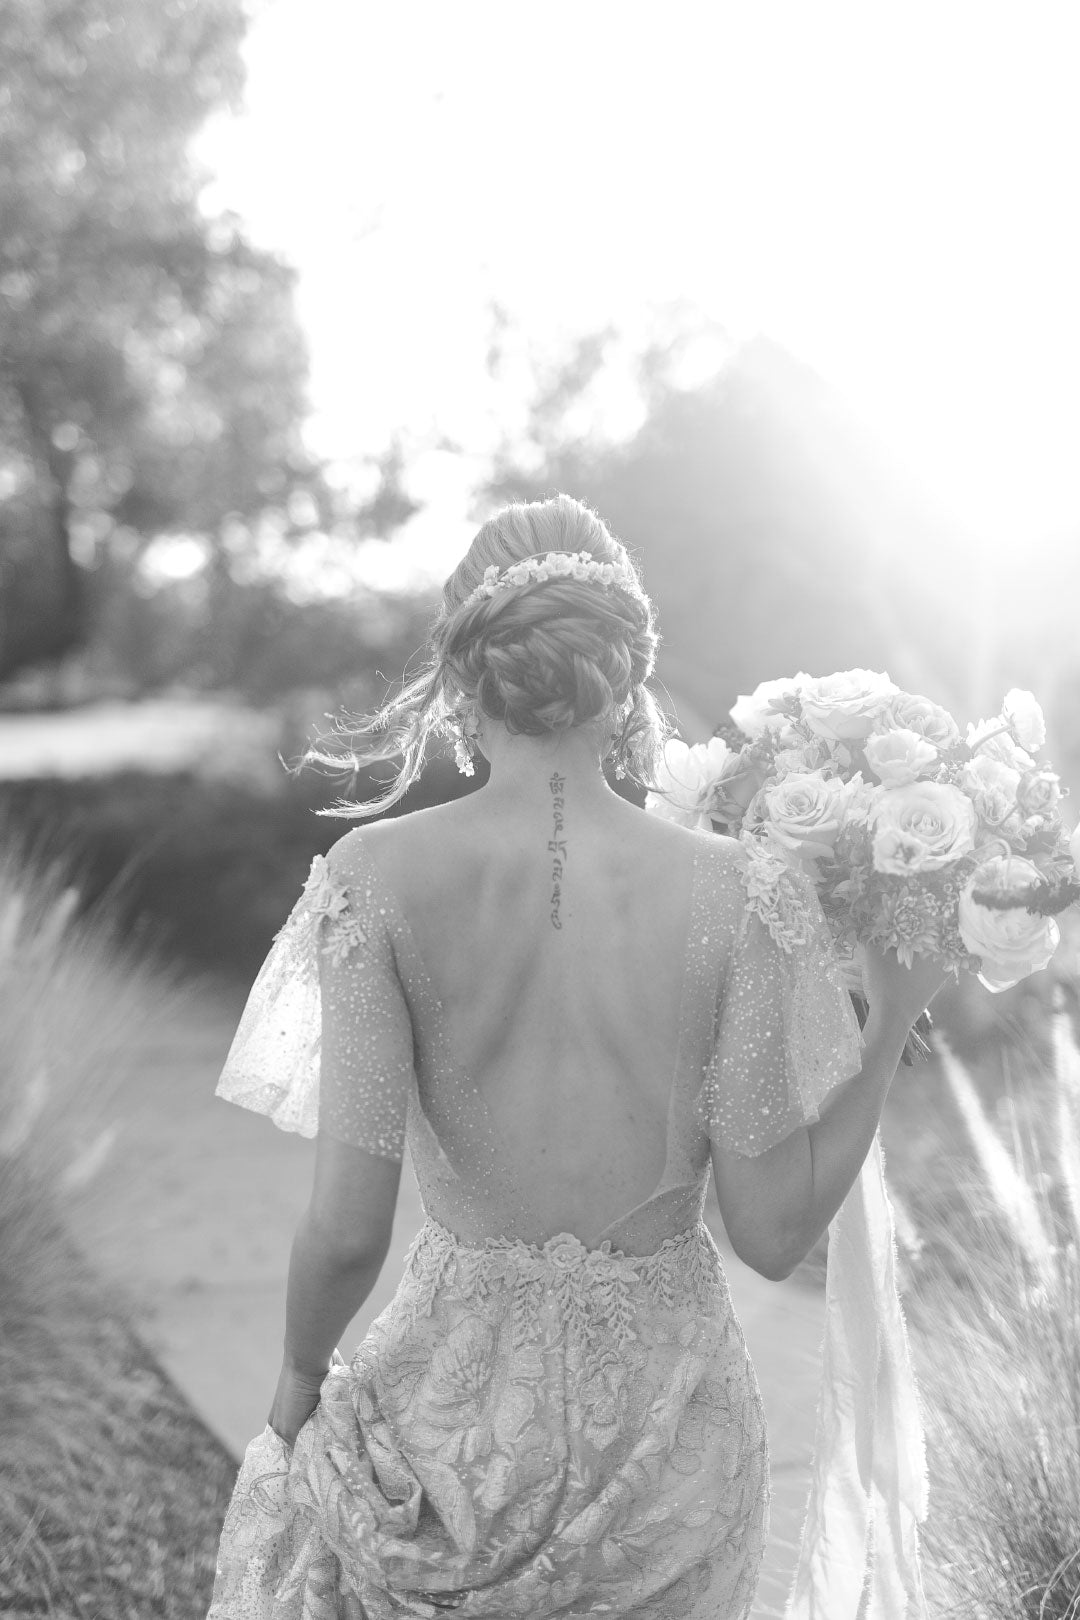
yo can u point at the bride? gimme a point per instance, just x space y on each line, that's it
572 1012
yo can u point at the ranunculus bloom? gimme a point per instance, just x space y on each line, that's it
767 702
993 788
1010 943
899 756
908 711
861 796
935 815
899 853
847 704
1021 709
992 739
686 779
792 761
805 812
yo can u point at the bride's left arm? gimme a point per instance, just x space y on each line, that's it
337 1254
365 1078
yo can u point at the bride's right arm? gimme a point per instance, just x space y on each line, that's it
792 1096
777 1203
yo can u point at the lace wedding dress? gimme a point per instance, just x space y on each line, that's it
530 1428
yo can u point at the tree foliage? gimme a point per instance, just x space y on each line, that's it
151 369
773 534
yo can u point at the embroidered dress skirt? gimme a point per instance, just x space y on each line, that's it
525 1431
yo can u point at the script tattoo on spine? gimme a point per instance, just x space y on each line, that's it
557 845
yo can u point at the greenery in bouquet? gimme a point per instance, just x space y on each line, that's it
916 838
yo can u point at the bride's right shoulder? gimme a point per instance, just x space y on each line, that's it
714 846
722 851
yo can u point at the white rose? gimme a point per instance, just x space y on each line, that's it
900 756
908 711
1022 711
685 781
766 703
936 819
805 813
847 704
1039 793
992 739
992 787
1011 943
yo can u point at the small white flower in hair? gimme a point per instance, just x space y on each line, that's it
556 565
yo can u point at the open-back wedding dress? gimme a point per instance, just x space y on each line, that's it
536 1425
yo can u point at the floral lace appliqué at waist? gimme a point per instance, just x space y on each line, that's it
599 1292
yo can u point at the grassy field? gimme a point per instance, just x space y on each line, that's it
994 1308
111 1492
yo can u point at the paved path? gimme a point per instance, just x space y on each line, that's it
196 1220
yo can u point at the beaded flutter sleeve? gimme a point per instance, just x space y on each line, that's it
324 1044
786 1030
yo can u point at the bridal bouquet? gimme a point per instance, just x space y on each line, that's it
916 838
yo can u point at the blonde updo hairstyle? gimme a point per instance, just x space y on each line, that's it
541 657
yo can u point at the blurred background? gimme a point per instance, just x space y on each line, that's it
293 294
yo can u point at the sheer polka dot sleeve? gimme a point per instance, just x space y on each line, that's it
786 1031
325 1040
366 1067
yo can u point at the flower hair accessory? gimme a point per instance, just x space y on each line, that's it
555 565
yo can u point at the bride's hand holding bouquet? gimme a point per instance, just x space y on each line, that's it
895 990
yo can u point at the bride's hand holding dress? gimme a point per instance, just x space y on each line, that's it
332 1269
295 1399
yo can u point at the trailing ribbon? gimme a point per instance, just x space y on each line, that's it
859 1551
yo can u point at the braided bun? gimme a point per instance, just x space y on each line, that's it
540 656
543 659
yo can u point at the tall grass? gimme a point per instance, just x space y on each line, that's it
111 1494
994 1305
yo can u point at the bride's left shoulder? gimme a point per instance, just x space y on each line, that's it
400 849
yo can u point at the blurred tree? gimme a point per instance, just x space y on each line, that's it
774 534
264 644
151 368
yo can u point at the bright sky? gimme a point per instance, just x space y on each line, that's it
893 192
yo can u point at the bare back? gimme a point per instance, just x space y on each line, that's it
550 1027
564 1070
